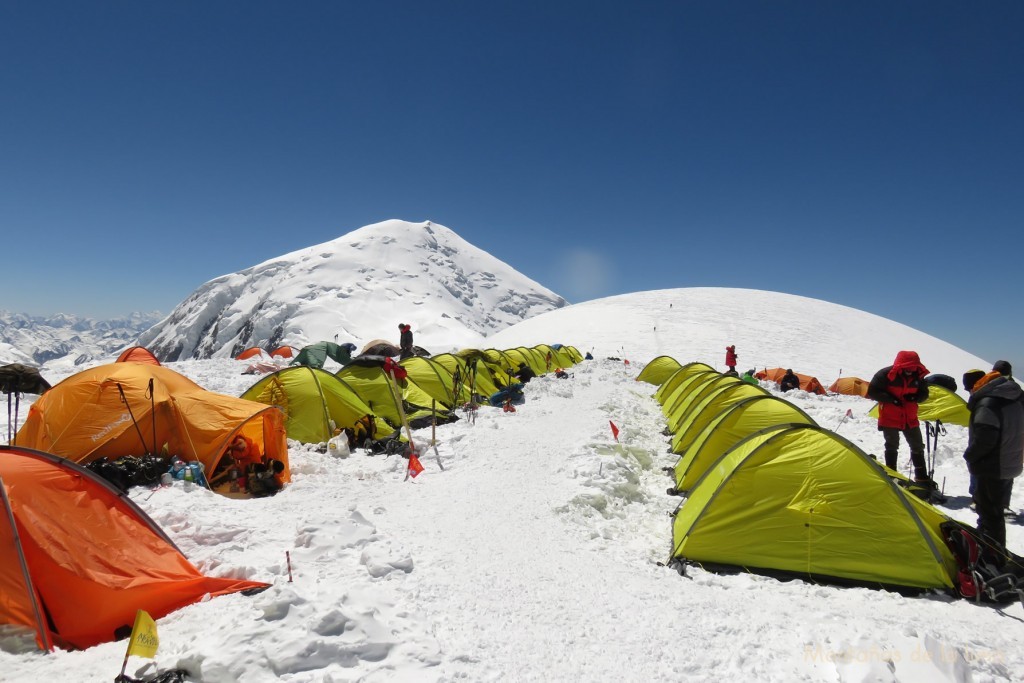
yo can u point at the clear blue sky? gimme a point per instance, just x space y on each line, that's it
865 153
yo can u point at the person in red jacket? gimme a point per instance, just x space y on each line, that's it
898 388
731 357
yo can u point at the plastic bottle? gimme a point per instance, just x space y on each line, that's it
188 477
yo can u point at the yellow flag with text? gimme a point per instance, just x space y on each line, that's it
144 640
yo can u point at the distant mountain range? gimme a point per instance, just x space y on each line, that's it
34 340
356 288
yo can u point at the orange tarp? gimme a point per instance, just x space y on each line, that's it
93 556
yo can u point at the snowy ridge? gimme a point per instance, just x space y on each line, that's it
358 287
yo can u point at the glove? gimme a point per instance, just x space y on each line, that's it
910 398
895 401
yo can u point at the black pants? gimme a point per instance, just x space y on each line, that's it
989 493
916 443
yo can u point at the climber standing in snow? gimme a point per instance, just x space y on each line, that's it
898 388
405 341
730 358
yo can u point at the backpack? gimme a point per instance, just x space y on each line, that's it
985 572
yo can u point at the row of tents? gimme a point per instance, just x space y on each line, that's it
78 557
136 406
769 490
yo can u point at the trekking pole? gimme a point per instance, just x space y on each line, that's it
124 400
433 432
849 414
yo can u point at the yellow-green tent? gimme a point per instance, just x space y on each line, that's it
713 403
732 424
658 370
312 401
685 390
684 407
670 384
434 379
799 500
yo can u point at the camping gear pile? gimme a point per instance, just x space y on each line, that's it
768 490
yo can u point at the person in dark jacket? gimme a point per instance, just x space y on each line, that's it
789 381
898 388
525 373
995 448
405 341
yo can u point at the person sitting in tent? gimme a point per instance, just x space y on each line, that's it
525 373
749 378
405 341
242 453
789 381
898 388
730 359
995 447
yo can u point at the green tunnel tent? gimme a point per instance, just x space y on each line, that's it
792 501
941 404
560 356
669 385
713 403
658 370
533 359
312 400
729 426
315 355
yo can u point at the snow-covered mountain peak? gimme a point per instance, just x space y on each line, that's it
356 288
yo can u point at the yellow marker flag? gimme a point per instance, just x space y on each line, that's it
144 640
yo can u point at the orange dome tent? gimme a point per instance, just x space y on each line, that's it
251 352
284 352
137 354
850 386
131 409
81 557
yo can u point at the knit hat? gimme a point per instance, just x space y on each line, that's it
1003 368
971 377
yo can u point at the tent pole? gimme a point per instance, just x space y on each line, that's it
124 400
43 635
433 432
152 413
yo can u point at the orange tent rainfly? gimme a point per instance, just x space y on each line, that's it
807 383
252 352
77 558
137 354
131 409
284 352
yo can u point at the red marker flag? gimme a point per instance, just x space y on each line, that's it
615 430
626 361
849 412
414 465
